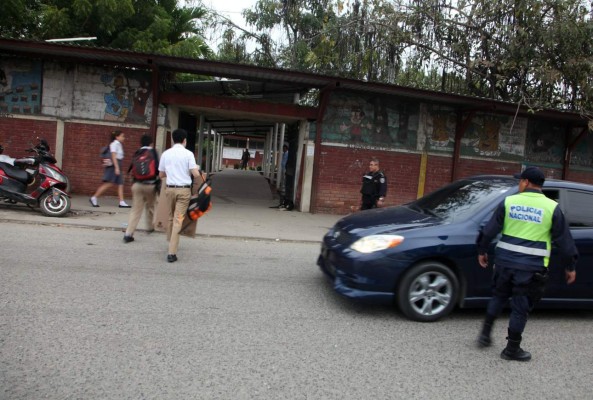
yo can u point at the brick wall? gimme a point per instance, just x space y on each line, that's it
19 134
341 169
580 176
82 164
340 177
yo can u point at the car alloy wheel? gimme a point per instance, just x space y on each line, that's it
428 292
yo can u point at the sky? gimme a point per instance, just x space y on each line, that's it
231 9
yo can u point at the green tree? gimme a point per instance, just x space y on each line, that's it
534 52
159 26
19 17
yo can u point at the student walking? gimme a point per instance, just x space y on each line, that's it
178 165
112 174
144 169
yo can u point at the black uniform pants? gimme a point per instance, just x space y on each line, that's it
516 284
368 202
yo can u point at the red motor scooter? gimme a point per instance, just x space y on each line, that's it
40 172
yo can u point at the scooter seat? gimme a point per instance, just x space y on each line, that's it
14 172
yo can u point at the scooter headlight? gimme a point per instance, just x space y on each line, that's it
55 175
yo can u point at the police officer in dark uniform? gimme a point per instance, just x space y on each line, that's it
529 222
374 187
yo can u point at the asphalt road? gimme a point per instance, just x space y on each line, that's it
85 316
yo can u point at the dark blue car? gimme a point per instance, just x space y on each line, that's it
422 256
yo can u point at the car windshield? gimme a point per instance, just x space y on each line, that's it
463 199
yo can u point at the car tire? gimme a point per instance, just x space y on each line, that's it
428 292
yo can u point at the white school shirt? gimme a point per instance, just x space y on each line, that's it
177 162
117 148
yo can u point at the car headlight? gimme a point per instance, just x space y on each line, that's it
370 244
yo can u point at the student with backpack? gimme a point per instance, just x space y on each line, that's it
112 174
178 165
144 170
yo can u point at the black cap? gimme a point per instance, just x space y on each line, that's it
533 175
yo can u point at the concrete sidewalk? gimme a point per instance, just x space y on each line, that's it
241 208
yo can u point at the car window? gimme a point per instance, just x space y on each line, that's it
463 199
553 194
577 208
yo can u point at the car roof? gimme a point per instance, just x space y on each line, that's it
557 183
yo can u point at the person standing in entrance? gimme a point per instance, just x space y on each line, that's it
529 222
144 190
374 187
283 162
112 175
245 159
178 165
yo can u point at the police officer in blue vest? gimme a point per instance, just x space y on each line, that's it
529 222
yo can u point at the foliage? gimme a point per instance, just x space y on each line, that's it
159 26
533 52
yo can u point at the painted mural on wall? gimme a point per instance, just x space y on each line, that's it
126 96
500 136
486 135
20 87
437 128
373 121
582 154
544 143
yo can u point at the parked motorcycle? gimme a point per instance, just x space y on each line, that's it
40 172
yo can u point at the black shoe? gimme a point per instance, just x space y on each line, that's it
517 355
125 206
484 341
171 258
513 351
128 239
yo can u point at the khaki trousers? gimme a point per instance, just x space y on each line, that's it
177 203
144 198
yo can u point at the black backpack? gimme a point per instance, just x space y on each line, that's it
106 156
200 203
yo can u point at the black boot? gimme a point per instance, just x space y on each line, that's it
484 339
513 351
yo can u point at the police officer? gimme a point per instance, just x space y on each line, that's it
374 187
529 222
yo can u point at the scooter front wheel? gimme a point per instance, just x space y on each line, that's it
54 206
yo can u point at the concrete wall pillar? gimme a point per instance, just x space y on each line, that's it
274 153
200 141
303 130
279 170
208 148
306 191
